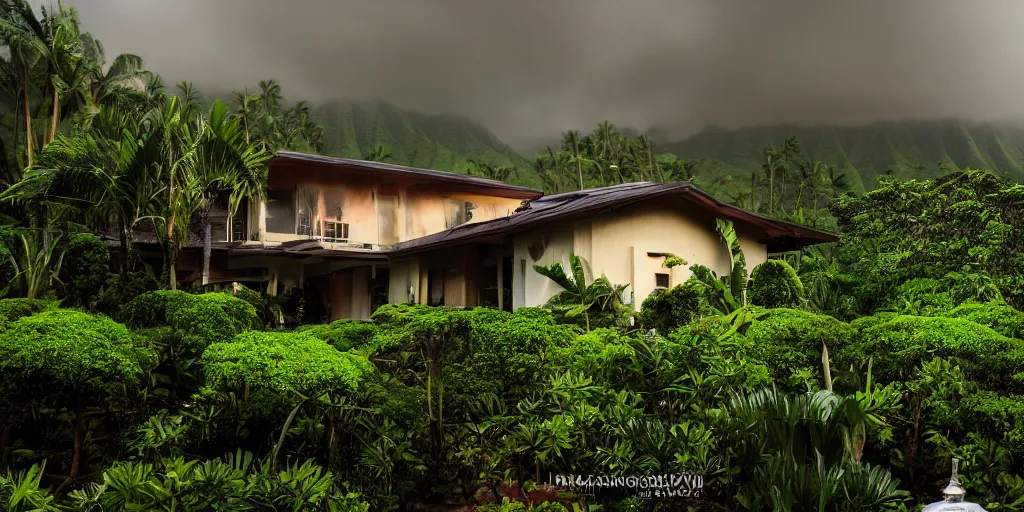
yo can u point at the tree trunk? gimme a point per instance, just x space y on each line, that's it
207 248
173 268
753 186
28 125
123 235
76 458
5 437
56 115
17 133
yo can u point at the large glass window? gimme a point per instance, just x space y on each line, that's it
387 214
281 211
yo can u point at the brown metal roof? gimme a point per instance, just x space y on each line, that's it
779 235
287 160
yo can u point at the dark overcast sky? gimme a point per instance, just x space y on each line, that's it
529 69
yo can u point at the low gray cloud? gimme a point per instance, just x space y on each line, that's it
529 69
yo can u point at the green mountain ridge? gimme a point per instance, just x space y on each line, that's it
441 142
909 149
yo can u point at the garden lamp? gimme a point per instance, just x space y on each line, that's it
953 496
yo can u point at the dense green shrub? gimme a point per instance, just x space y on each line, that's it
920 296
899 344
74 349
343 334
1000 317
150 309
120 291
506 353
774 284
791 340
665 310
85 268
593 353
13 309
284 363
210 318
72 362
197 320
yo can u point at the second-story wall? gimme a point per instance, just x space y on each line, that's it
377 214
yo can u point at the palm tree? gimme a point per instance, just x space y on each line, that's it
104 175
606 139
642 153
550 169
226 167
378 153
23 35
573 147
490 171
265 119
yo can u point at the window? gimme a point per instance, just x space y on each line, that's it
457 212
238 223
661 280
281 211
335 231
306 206
219 224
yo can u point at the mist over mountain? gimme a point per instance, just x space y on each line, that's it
915 149
908 149
531 69
443 142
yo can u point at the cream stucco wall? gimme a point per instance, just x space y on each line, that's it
528 287
617 247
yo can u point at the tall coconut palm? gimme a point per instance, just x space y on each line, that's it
642 152
266 119
106 175
227 168
573 147
23 35
606 139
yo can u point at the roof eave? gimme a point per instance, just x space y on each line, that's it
494 187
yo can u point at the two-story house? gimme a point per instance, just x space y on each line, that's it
365 233
330 222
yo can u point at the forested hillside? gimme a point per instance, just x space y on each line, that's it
911 149
434 142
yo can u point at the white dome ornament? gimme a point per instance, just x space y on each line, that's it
953 496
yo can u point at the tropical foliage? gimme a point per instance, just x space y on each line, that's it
840 377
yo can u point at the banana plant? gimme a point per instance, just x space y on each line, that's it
580 297
726 293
